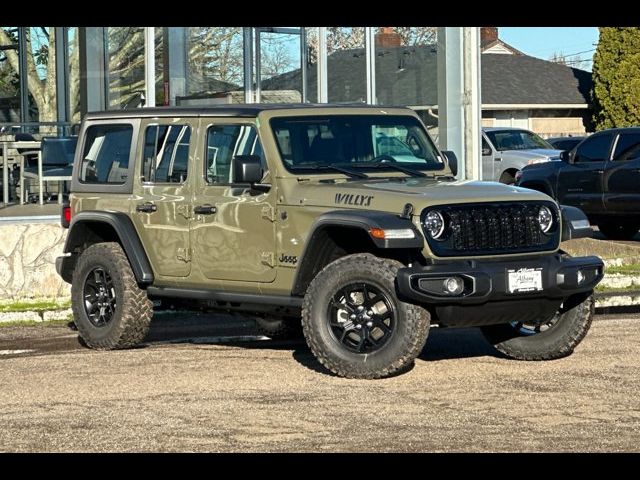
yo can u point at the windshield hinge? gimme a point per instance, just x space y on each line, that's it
269 213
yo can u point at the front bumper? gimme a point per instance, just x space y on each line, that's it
487 281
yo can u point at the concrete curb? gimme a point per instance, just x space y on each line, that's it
36 315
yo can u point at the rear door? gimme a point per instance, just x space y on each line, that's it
581 183
161 209
622 175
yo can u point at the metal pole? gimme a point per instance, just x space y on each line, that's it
150 66
323 91
370 55
258 67
472 103
303 62
62 76
247 52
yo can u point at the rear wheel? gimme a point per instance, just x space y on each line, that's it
619 230
354 323
551 338
109 308
508 178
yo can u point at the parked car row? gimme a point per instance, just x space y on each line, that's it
600 175
505 151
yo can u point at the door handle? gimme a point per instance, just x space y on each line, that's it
146 207
205 210
497 159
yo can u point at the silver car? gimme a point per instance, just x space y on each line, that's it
506 150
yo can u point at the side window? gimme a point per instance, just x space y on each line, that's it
105 158
595 149
225 142
166 153
485 147
628 147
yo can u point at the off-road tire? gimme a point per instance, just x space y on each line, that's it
403 346
276 328
558 341
619 230
133 312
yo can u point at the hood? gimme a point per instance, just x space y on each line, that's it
392 194
537 154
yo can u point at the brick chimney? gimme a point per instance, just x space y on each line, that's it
387 38
488 35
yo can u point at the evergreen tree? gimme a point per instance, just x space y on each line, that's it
616 78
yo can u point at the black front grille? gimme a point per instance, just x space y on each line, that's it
481 229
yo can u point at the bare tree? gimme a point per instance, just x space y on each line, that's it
574 61
346 38
40 73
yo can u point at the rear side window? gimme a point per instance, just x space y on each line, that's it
105 158
594 149
628 147
166 153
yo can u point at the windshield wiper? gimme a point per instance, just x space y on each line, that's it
394 166
335 168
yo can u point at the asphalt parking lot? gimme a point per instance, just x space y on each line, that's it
203 383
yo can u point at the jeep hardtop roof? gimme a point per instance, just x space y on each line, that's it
233 110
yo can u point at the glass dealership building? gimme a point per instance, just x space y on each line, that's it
51 76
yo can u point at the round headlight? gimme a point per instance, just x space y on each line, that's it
434 223
545 219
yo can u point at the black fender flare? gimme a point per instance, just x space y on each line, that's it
355 219
127 235
575 223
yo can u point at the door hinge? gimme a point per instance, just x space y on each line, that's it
184 255
184 210
269 213
268 258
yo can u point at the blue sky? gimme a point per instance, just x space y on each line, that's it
542 42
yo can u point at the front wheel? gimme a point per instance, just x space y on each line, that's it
551 338
354 323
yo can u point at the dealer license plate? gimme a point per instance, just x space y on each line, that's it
524 280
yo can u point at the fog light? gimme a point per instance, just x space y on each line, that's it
453 285
581 277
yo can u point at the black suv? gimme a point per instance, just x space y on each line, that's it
601 176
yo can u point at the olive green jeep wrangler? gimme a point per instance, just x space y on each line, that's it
344 220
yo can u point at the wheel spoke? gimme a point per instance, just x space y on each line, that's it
377 299
382 326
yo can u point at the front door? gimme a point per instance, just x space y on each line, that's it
580 183
233 229
162 197
487 161
622 176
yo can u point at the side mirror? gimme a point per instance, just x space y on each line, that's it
486 152
452 161
566 156
247 169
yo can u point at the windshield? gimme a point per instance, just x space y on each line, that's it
516 140
355 141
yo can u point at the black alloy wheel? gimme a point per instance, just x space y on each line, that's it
99 297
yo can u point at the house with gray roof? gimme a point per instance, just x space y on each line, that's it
517 90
